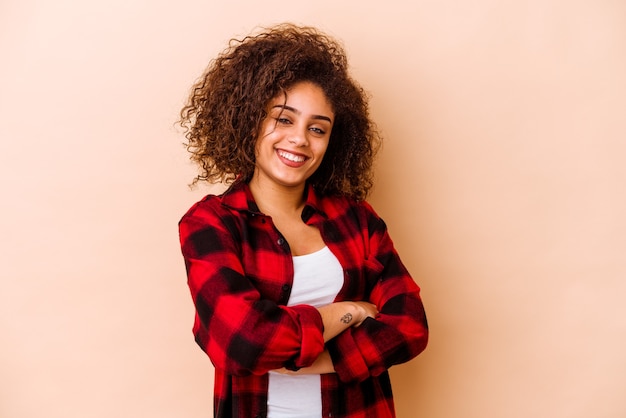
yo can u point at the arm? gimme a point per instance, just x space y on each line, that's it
242 332
400 331
337 317
322 365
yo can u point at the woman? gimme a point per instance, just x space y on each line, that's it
302 303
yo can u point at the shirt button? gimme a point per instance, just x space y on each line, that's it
280 241
286 287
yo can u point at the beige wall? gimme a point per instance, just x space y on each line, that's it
502 181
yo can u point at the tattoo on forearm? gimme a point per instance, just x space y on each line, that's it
346 318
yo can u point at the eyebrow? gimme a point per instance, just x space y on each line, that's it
297 112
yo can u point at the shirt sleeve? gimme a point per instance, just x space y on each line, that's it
400 331
241 332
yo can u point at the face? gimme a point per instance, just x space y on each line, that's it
293 137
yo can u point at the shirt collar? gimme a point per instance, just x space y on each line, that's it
313 203
239 197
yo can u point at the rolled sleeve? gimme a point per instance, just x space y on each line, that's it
312 342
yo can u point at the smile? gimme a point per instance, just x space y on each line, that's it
291 157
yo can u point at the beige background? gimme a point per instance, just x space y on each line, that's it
502 181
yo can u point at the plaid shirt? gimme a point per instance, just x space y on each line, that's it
240 273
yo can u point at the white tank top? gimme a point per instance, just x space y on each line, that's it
317 279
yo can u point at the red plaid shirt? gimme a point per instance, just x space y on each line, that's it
240 273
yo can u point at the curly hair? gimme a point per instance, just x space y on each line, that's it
226 106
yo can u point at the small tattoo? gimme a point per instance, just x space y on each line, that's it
346 318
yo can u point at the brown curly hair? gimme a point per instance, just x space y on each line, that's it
224 111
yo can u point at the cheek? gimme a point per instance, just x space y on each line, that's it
265 133
323 149
264 141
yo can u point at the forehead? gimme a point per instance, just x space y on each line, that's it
304 96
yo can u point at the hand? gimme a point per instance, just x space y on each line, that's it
339 316
366 310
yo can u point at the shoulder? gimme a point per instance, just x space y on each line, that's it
345 209
237 198
211 213
343 203
208 206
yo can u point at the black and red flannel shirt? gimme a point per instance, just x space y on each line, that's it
240 272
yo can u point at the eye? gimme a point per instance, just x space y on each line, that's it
283 121
318 131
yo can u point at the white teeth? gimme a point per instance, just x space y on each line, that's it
291 157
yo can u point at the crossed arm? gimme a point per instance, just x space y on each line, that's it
336 317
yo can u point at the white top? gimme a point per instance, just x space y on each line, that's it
317 279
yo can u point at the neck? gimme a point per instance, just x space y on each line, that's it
273 200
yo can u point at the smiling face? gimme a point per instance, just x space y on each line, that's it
293 137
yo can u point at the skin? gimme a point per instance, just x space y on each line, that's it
290 146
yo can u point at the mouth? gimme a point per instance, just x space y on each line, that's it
291 159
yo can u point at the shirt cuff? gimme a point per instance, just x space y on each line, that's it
312 338
347 358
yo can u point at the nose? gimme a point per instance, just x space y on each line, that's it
299 137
